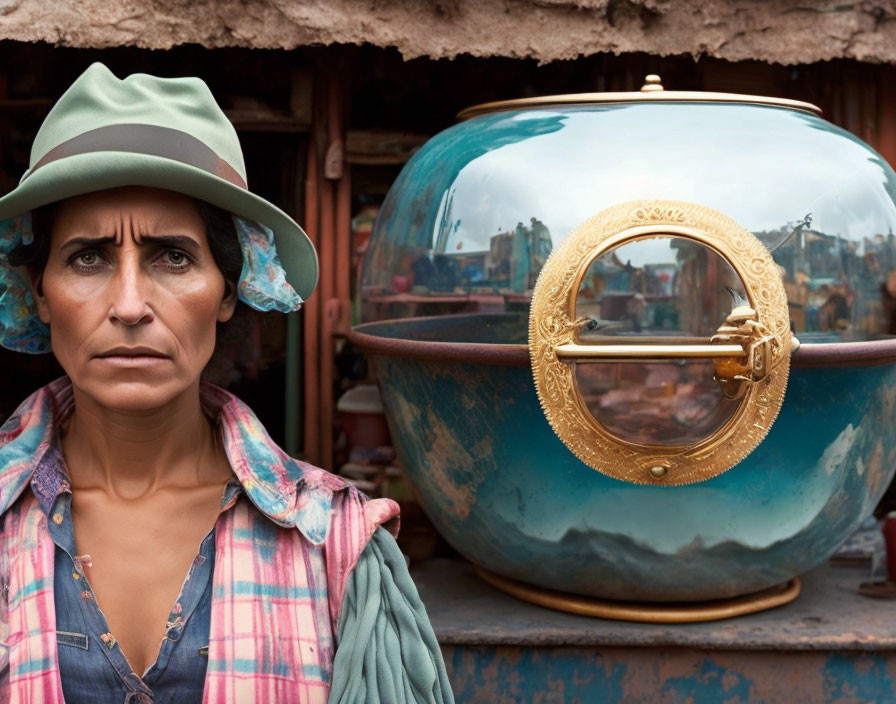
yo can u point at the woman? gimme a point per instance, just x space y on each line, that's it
156 545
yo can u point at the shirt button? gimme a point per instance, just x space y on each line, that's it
75 575
57 519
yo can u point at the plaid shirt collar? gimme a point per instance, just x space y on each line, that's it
289 492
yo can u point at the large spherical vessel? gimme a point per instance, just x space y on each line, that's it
639 346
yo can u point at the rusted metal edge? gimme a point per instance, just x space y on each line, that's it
841 354
870 353
473 352
661 636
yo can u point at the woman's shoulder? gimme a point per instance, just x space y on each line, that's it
328 508
36 415
25 436
289 491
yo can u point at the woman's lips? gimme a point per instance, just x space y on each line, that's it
133 357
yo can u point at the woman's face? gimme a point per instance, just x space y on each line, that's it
132 296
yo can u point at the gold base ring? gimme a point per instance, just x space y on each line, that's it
646 612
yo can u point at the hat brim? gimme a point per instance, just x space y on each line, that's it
97 171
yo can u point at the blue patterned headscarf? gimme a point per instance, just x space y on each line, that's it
262 286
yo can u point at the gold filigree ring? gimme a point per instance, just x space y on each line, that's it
754 343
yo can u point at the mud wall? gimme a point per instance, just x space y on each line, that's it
782 31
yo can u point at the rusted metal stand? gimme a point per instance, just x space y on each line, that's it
829 646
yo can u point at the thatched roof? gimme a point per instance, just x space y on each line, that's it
783 31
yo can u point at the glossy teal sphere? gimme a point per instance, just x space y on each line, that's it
446 285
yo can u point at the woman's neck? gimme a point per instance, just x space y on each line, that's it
130 455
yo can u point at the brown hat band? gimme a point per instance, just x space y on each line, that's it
151 140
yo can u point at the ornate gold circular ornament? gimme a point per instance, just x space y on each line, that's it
751 349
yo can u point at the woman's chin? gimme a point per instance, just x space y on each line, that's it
136 395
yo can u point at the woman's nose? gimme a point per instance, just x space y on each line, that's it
130 302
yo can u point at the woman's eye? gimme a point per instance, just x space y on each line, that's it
175 259
87 260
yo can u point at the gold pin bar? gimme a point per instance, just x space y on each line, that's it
602 352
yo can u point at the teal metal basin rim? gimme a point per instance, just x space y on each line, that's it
829 354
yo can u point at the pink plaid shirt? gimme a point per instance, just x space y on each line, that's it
275 606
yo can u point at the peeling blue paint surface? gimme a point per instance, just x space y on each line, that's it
534 675
557 675
851 678
710 684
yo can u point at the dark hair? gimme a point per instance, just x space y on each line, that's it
223 241
219 229
34 256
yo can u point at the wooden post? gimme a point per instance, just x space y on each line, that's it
886 114
311 319
300 104
331 256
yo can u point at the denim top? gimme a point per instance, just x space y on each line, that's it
92 666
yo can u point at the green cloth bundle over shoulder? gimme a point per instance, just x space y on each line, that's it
387 652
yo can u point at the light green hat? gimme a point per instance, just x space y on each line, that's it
148 131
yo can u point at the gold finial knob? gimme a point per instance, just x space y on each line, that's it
652 84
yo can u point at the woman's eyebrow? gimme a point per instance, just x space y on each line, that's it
178 241
75 242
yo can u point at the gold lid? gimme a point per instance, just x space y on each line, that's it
651 91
